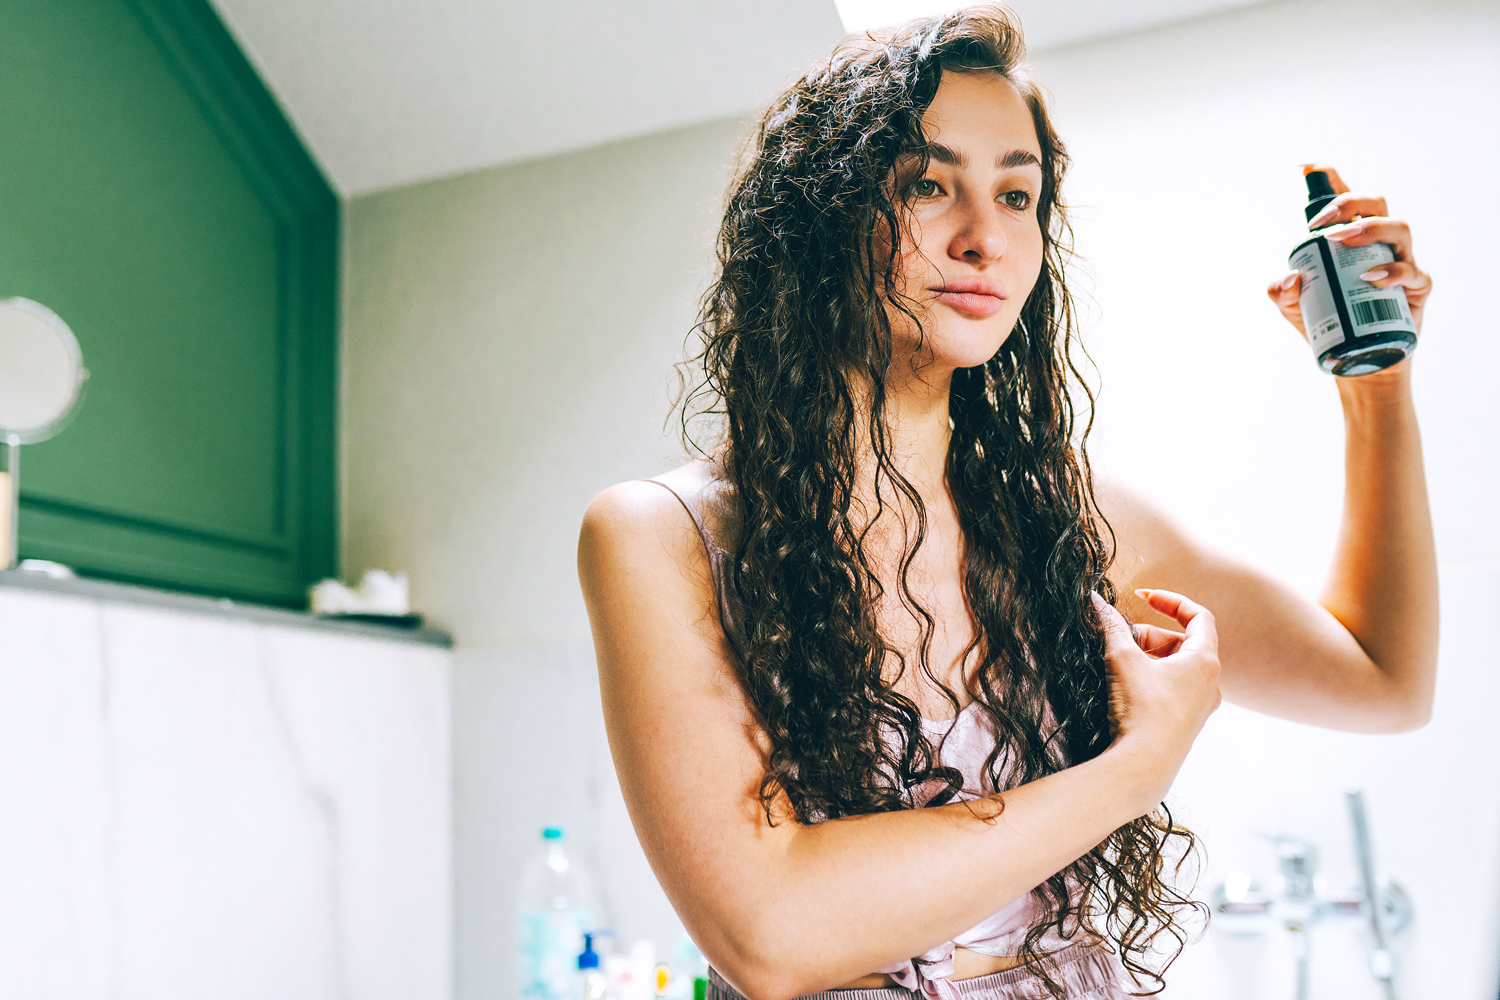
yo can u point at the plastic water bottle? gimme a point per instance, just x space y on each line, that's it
555 907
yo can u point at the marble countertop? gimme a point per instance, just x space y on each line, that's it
104 590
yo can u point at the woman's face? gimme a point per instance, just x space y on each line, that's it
973 248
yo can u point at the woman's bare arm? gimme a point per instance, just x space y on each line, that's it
787 909
1363 657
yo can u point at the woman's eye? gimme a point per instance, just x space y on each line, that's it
925 188
1017 199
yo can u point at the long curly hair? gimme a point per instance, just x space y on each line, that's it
797 347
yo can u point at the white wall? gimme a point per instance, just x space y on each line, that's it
1188 199
509 339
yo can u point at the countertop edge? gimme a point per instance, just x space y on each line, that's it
122 593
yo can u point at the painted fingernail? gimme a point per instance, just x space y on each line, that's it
1354 229
1289 281
1372 276
1323 217
1144 593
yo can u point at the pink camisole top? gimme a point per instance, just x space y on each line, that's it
963 743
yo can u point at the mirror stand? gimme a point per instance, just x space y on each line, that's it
41 379
13 501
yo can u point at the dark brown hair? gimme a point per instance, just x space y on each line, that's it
797 347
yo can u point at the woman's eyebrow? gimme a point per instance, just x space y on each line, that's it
951 157
947 155
1017 158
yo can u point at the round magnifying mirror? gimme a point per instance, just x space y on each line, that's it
41 371
41 380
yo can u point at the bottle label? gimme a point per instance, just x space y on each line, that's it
551 941
1370 310
1373 310
1320 317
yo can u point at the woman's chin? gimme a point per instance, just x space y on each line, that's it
949 342
952 354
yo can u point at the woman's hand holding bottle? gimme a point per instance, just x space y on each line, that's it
1163 686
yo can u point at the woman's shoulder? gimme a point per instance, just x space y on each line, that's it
638 503
641 513
640 550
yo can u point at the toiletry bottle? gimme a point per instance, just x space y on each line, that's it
1354 328
593 984
620 973
643 969
689 969
555 906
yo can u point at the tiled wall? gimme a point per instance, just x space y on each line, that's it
195 807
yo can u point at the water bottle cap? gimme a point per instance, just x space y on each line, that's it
552 833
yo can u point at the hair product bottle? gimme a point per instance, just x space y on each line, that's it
1354 328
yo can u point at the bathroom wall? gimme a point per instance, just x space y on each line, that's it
509 337
1187 199
509 344
198 806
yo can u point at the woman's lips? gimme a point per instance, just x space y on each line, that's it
974 298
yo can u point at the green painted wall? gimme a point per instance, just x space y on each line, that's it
152 194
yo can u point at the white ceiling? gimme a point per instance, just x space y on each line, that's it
391 92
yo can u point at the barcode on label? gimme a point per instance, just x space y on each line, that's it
1369 311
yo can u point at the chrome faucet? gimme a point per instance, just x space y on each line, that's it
1382 961
1297 902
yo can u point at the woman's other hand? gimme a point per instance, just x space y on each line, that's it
1163 685
1366 220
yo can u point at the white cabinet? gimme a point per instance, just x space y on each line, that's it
198 806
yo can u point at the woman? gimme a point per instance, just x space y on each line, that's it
875 718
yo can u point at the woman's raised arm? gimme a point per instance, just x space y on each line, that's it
1363 657
787 909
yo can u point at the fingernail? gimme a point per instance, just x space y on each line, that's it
1353 229
1372 276
1317 221
1099 602
1286 283
1144 593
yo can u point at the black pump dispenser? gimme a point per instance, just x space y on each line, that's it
1353 326
1319 192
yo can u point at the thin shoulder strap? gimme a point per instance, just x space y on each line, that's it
728 619
709 542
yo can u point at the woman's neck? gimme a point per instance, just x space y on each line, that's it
916 414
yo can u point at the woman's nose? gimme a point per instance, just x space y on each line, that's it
980 237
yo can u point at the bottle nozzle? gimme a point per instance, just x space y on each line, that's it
1319 192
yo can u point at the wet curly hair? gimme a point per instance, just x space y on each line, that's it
796 335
